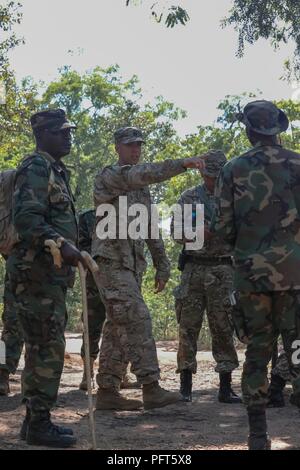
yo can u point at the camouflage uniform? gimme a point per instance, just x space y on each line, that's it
43 209
206 284
96 309
122 264
12 334
282 368
258 214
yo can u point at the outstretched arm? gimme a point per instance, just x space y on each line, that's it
117 180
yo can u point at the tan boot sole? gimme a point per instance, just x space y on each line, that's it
128 406
150 406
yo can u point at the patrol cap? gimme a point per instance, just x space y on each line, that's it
214 161
53 119
263 117
127 135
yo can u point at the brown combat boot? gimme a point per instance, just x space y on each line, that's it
127 382
83 383
156 397
111 399
4 382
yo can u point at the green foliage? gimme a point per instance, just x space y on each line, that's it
161 305
172 15
10 15
269 19
291 139
176 15
99 102
15 132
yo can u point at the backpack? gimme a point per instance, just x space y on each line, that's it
8 233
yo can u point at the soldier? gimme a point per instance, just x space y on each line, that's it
96 309
12 336
206 284
258 215
122 262
43 210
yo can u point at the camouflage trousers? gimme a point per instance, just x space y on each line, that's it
282 368
266 316
40 301
205 288
96 317
12 334
127 332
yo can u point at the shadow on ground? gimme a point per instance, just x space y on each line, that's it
204 424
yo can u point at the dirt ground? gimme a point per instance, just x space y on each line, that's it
201 425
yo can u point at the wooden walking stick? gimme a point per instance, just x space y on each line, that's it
57 259
82 274
94 269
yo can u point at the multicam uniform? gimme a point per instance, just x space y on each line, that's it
206 285
122 264
96 309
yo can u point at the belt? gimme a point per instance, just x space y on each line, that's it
211 261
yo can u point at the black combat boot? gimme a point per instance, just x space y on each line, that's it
275 392
23 431
226 394
186 382
42 432
295 400
258 438
24 427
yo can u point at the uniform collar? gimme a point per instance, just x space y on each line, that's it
206 190
46 155
260 144
59 164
